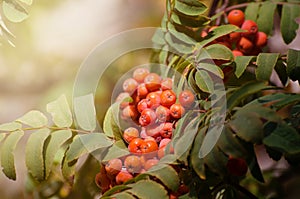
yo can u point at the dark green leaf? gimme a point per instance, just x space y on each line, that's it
244 91
88 143
60 112
85 112
251 11
219 52
7 153
241 64
57 139
115 189
265 65
34 118
280 69
216 161
196 162
293 64
284 139
166 174
288 24
143 188
254 166
34 154
123 195
212 68
204 81
190 7
181 36
266 17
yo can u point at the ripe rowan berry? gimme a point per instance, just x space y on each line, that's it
149 146
234 37
167 130
135 145
167 84
139 74
130 112
237 53
123 176
245 45
124 98
186 98
261 39
147 117
113 166
250 27
130 85
236 17
142 90
237 166
177 111
152 81
154 130
168 98
150 163
154 100
130 133
133 164
162 113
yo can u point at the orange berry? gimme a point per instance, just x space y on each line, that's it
130 133
234 36
237 53
133 164
139 74
123 176
245 45
150 163
236 17
250 27
261 39
113 166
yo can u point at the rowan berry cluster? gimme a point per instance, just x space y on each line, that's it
246 41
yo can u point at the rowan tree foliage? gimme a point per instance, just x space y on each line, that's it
66 155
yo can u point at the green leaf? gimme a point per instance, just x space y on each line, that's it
181 36
143 188
204 81
116 189
34 118
57 139
14 11
158 37
293 64
2 136
179 47
7 153
117 150
191 21
34 154
83 144
266 17
85 112
251 11
216 161
219 52
284 139
280 69
265 65
216 33
190 7
12 126
248 126
123 195
244 91
210 67
241 64
68 169
254 166
196 162
288 24
60 112
166 174
110 126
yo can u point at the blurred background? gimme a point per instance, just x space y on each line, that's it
50 47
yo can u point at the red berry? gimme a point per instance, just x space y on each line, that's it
250 27
135 145
152 81
133 164
167 130
177 111
234 37
245 45
186 98
154 100
236 17
237 166
123 176
142 105
113 166
150 163
130 112
168 98
139 74
147 117
261 39
130 85
124 98
237 53
162 114
130 133
142 90
167 84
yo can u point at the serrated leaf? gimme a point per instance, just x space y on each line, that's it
248 126
181 36
265 65
14 11
244 91
60 112
11 126
117 150
216 33
181 47
34 154
166 174
85 112
83 144
7 153
142 188
266 17
110 126
288 25
219 52
57 139
251 11
34 118
284 139
191 21
210 67
241 64
196 162
204 81
123 195
293 64
190 7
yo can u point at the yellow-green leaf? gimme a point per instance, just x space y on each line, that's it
34 153
14 11
34 118
7 153
241 64
28 2
60 111
11 126
57 139
148 189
